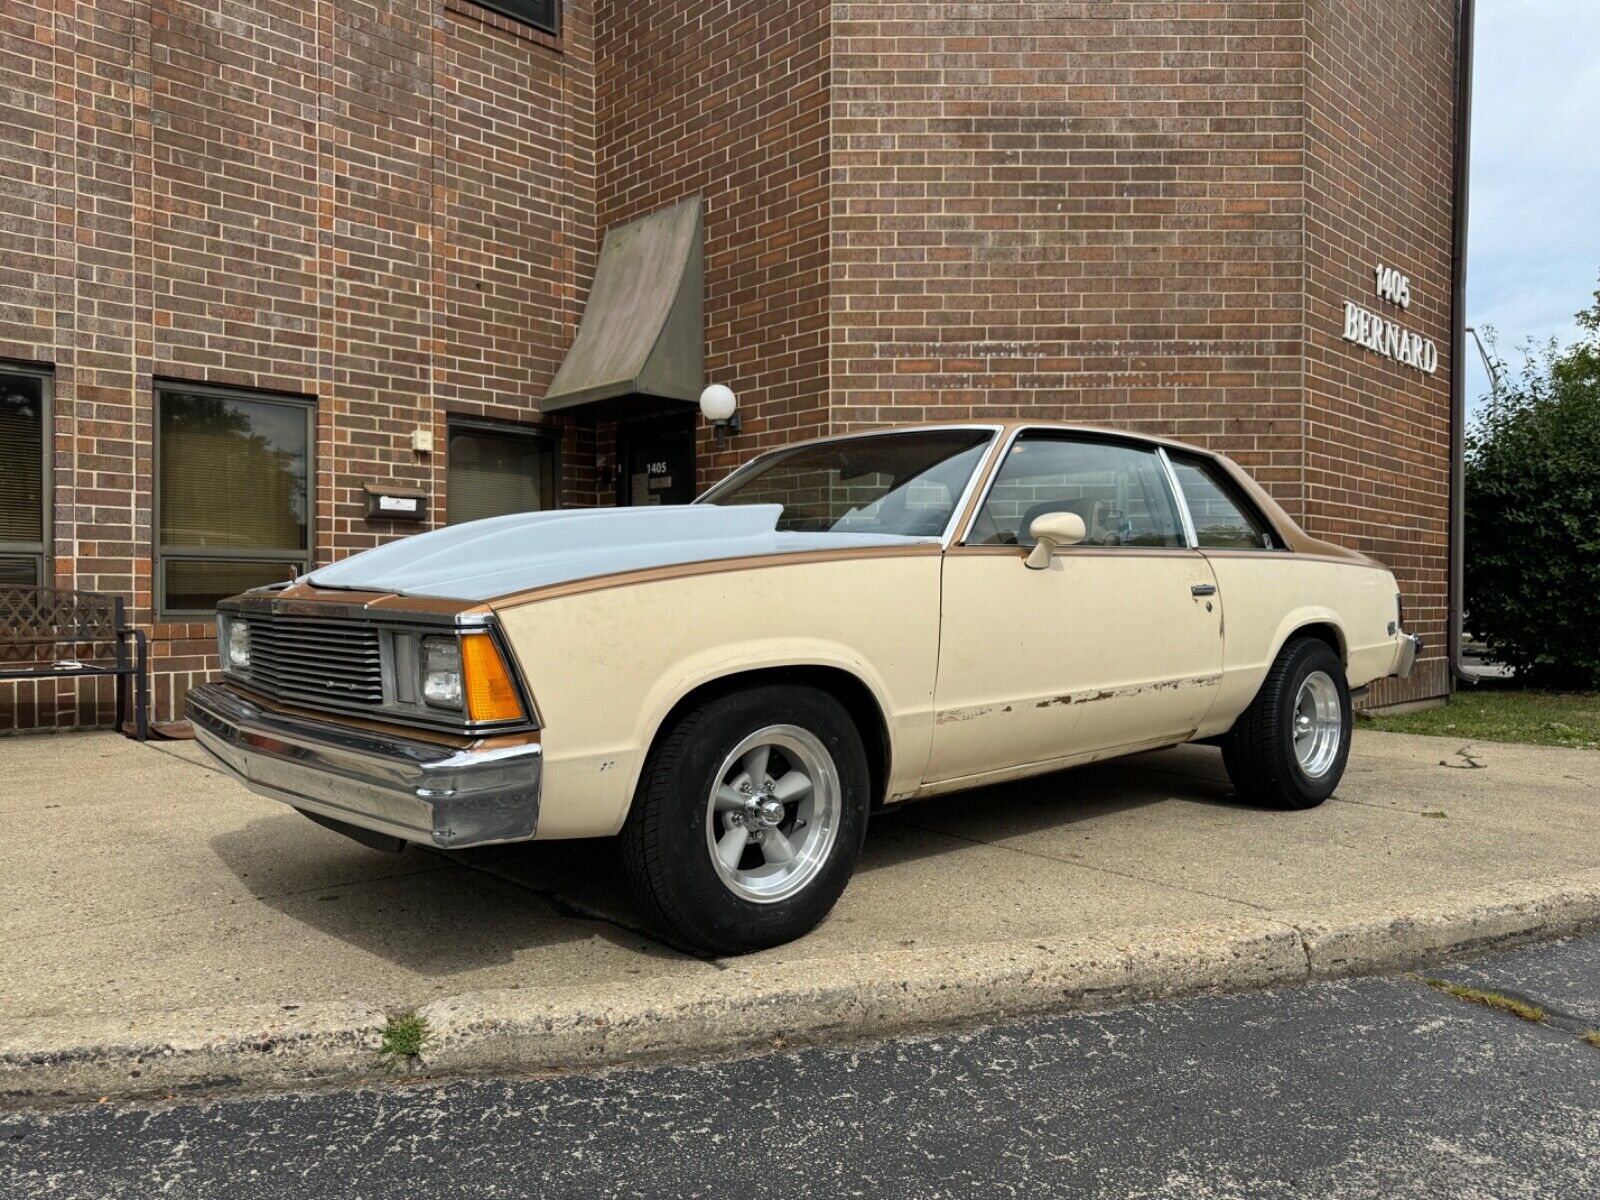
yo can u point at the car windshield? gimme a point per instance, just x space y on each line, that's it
897 483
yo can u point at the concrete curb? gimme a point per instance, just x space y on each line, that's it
86 1057
754 1006
1361 940
830 999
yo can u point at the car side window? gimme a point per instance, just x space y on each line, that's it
1120 491
1223 520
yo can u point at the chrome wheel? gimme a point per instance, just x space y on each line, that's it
1318 724
773 813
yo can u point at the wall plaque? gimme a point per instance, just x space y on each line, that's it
395 503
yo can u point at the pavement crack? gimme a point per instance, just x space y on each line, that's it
1388 808
1073 861
186 761
1550 1016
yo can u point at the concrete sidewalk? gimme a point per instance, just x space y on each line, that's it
160 926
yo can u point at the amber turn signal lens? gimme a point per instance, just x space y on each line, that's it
491 696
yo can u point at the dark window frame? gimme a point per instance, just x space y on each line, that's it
164 553
529 13
40 551
524 429
1221 479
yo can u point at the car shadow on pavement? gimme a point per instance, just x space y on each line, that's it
440 913
1039 804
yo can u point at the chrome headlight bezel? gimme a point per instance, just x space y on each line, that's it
402 662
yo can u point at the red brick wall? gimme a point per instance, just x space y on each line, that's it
729 101
1379 102
1086 211
384 205
1145 214
1148 215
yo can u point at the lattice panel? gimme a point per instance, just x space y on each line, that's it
70 621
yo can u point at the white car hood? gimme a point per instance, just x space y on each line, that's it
484 559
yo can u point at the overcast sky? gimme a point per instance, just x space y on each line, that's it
1533 254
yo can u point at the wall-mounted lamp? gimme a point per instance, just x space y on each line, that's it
720 406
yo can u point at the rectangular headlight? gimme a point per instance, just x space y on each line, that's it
440 668
234 635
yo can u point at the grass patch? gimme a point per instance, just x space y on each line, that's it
403 1039
1438 814
1593 1038
1496 1000
1484 713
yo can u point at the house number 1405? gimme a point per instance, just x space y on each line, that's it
1393 286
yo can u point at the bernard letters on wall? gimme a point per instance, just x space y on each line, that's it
1383 336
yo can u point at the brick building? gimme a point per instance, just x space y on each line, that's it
261 263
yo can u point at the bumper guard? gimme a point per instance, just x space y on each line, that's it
1410 651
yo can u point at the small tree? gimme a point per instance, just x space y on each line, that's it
1533 516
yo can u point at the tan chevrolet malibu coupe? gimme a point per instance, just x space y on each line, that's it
846 623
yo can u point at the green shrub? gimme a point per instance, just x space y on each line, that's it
1533 517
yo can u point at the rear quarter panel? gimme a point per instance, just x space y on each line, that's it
607 662
1267 596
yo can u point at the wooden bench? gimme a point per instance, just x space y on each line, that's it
56 633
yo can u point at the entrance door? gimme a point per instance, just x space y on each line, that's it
655 461
1117 643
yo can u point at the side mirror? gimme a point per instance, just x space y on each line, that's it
1050 530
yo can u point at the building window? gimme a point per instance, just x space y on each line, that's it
24 476
541 14
233 474
498 469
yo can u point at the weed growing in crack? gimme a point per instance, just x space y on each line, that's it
404 1038
1495 1000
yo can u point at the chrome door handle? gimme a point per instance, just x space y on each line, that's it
1202 589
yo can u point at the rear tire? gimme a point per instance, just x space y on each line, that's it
1289 748
748 819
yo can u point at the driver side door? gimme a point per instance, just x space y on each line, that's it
1116 645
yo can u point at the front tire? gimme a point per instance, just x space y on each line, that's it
1289 748
748 820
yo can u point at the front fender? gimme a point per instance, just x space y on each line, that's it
607 667
909 726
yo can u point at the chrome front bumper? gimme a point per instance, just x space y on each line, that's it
1410 651
415 790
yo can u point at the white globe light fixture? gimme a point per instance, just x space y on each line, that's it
720 406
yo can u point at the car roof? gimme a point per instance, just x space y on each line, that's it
1005 426
1284 525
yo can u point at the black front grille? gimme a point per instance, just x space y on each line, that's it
318 662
